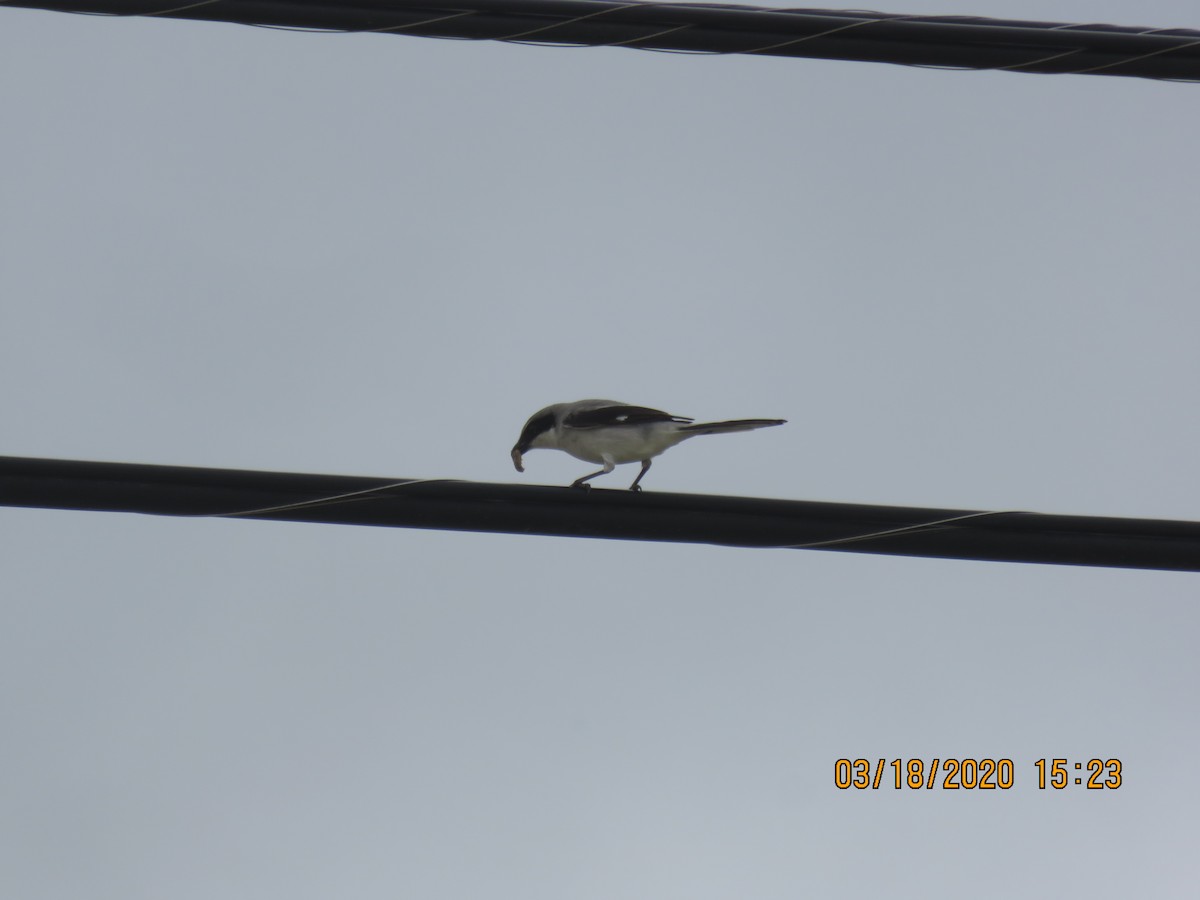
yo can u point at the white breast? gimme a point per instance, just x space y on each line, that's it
624 444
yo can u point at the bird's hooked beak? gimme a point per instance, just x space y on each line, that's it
516 456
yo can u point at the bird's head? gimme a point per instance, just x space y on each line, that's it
538 432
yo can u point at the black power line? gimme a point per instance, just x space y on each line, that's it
648 516
966 42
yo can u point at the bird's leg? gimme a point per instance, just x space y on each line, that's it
645 469
579 482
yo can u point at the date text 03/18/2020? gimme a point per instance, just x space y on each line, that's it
973 774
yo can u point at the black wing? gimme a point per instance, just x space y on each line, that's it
609 416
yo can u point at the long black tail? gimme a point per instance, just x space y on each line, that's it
732 425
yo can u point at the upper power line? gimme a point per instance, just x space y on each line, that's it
567 512
958 42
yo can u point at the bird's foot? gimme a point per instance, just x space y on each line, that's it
582 485
636 488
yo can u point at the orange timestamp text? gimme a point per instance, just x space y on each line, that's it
969 774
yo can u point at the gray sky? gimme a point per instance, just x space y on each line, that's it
230 246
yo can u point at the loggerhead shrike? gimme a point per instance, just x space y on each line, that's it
612 433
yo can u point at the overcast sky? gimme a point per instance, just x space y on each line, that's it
377 255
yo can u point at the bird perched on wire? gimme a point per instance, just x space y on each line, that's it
612 434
